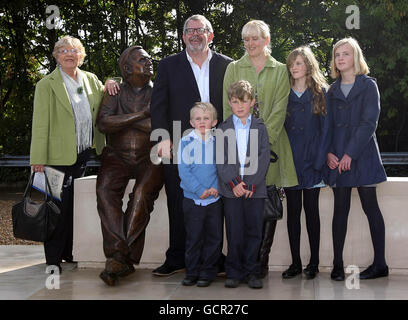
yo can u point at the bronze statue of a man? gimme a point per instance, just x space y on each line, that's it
125 119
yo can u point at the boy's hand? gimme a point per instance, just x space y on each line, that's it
248 194
213 192
164 149
239 190
205 194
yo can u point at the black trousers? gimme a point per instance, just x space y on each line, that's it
244 222
204 233
177 234
59 246
294 208
368 198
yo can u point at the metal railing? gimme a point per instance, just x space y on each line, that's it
388 158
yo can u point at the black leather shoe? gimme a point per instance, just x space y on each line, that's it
203 283
254 282
293 271
310 271
232 283
373 272
189 281
166 270
69 259
337 273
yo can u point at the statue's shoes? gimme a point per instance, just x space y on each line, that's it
128 269
109 278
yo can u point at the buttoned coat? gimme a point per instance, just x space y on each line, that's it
229 171
175 90
305 132
272 88
53 140
351 130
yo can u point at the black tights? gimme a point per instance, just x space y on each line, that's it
311 206
368 198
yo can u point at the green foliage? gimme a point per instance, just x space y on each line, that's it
107 27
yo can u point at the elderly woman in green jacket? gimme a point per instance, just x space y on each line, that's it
271 83
66 103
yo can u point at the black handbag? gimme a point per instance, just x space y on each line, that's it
273 209
273 203
35 221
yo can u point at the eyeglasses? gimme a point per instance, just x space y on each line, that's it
200 31
65 51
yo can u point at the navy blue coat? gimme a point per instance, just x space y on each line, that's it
351 130
305 133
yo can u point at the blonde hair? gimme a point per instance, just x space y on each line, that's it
360 65
205 107
241 89
257 28
315 80
72 42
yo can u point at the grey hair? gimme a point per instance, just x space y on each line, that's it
73 42
202 19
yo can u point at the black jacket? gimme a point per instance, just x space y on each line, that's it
175 90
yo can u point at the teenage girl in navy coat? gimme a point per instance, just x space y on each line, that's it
354 159
304 124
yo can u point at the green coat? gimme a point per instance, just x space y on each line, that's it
53 140
272 88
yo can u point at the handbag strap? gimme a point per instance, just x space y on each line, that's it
30 184
274 156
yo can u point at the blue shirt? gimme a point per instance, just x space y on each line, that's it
197 168
242 134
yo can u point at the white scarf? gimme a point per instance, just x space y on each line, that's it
81 109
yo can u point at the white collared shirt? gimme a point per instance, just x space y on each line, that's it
202 76
242 134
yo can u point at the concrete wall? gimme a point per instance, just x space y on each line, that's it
392 197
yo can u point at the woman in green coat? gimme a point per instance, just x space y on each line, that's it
271 83
66 103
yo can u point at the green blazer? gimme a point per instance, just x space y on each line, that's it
53 140
272 88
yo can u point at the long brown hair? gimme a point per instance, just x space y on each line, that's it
315 80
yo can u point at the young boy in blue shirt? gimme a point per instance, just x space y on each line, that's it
242 185
202 207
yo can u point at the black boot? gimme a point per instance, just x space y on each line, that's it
267 239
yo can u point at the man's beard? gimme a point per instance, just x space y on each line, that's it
199 48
